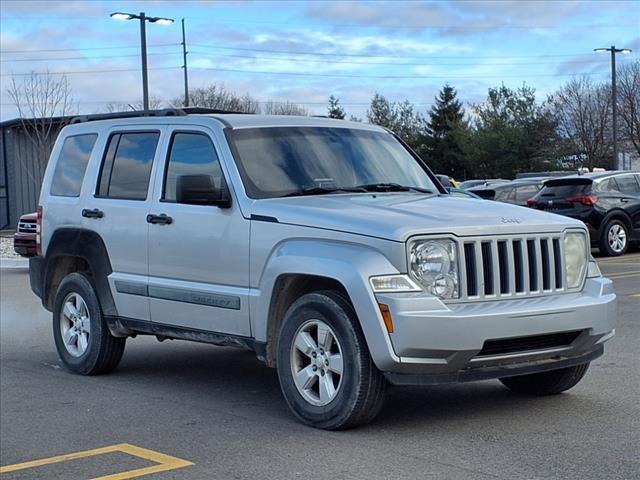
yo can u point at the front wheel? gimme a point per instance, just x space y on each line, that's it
84 343
326 374
546 383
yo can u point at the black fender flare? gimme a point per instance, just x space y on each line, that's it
89 246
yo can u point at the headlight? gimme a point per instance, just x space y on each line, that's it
575 255
434 264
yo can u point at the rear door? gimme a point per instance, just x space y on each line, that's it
118 210
627 198
199 262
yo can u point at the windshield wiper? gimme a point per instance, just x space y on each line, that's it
324 191
392 187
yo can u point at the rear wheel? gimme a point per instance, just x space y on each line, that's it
82 338
614 240
546 383
326 374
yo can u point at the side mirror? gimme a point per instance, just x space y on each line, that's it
200 190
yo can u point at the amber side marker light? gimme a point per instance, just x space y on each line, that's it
386 316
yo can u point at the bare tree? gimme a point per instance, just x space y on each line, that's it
629 108
220 98
276 107
583 111
39 99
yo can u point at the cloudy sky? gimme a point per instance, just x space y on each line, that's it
305 51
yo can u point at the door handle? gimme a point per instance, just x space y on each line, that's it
624 200
95 213
162 219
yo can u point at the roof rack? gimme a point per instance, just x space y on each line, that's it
165 112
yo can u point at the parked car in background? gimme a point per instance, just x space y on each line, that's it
516 192
608 203
24 240
482 183
447 181
459 192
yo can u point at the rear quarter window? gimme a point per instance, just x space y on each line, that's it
628 184
72 165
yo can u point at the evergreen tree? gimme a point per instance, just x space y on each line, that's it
399 117
446 130
335 109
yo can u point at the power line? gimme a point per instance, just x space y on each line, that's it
114 47
432 57
80 72
52 59
307 74
390 77
334 24
351 62
304 60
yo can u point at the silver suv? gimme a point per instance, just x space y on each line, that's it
327 247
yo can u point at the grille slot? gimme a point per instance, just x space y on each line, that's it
523 344
512 266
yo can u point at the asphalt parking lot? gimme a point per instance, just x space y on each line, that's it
187 411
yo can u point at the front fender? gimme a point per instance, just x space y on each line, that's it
350 264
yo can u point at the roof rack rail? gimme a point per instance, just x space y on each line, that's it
165 112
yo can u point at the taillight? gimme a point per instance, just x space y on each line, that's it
39 212
588 200
531 203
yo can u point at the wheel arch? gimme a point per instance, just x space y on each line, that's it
78 250
302 266
617 214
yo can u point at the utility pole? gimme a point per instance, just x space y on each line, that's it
614 99
184 65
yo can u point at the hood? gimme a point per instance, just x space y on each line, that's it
398 216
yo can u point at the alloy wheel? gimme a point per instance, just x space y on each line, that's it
317 362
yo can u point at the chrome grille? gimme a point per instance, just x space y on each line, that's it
511 266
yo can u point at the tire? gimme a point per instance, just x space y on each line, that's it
552 382
358 393
614 239
82 338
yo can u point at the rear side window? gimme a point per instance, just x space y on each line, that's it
504 194
627 184
72 164
525 192
190 154
126 168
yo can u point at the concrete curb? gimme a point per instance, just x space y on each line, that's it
14 263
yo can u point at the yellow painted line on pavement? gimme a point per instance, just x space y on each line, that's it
163 462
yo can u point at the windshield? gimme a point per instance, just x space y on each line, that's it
279 161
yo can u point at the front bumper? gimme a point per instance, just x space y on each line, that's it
446 342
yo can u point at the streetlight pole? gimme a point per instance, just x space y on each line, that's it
143 46
614 98
145 70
